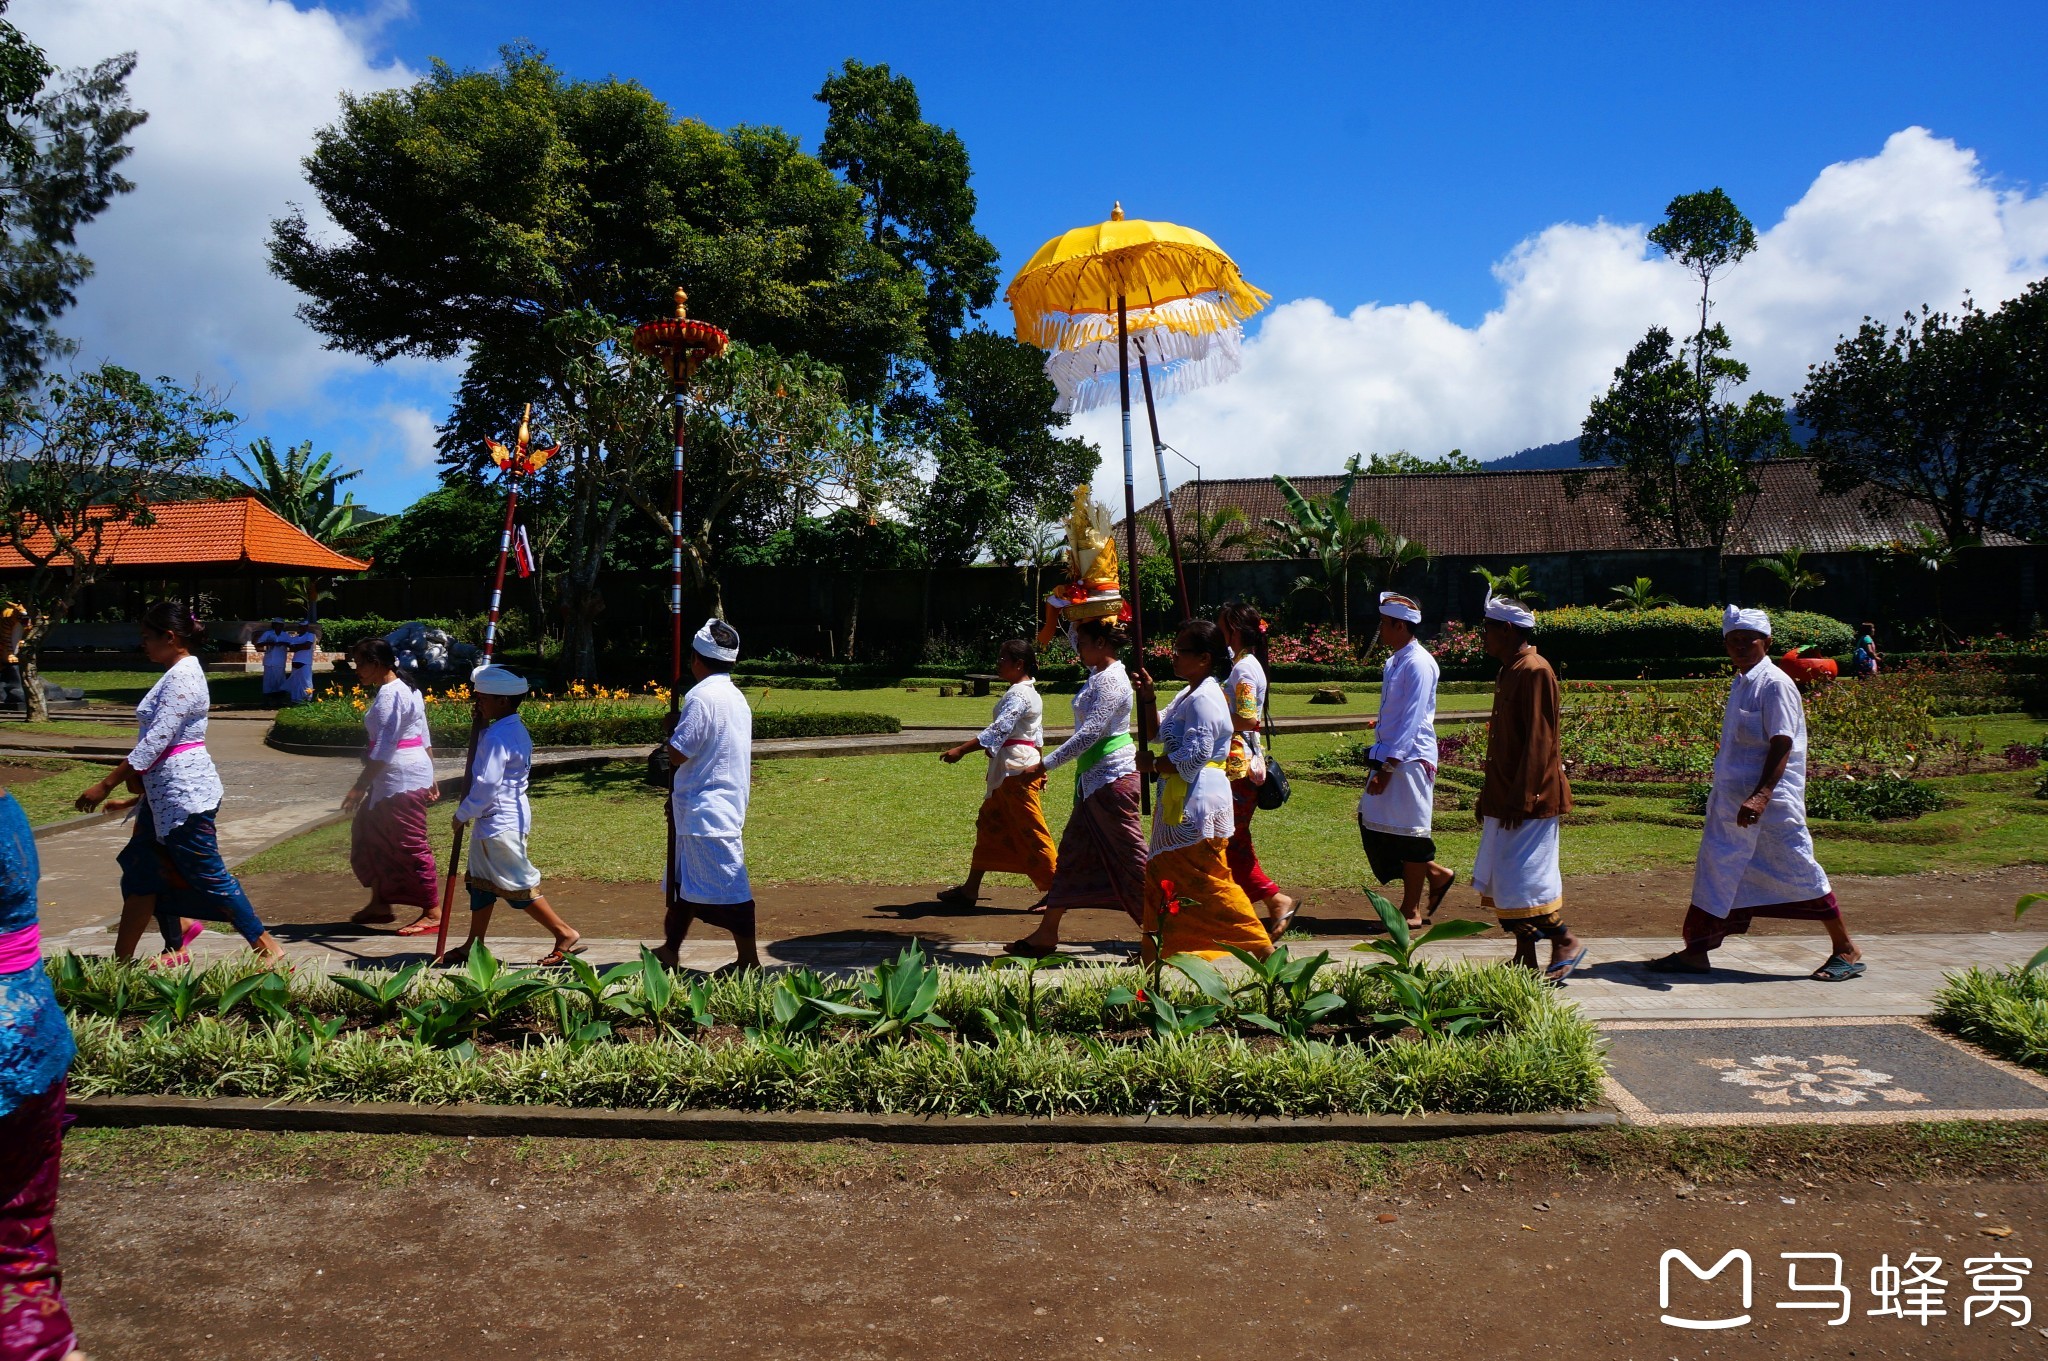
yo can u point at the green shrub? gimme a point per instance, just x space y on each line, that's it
2005 1011
562 723
1887 798
1582 633
339 635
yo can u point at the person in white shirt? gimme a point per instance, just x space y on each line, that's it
712 750
1244 633
1010 835
500 818
1396 812
388 846
302 640
171 867
277 661
1756 855
1192 904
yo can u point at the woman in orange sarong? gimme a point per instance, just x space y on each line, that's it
1010 835
1192 903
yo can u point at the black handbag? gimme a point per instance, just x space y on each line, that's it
1275 791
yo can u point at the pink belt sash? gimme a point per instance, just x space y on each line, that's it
1020 742
21 949
407 742
181 747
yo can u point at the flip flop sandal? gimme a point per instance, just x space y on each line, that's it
418 928
194 929
555 959
1436 898
1558 972
171 959
1671 963
1837 970
1278 927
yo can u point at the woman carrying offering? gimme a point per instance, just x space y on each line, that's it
1101 861
1192 904
388 846
1244 633
1010 835
173 846
1397 809
35 1052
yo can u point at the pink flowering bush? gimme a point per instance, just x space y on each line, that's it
1458 644
1321 645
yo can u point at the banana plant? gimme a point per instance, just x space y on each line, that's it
572 1023
490 991
789 1003
382 989
603 993
443 1023
1162 1016
1025 1021
1399 969
1431 1023
1281 977
660 998
900 998
1401 945
266 992
314 1034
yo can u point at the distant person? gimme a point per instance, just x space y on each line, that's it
13 628
303 640
1867 656
499 818
1756 855
1192 904
1101 860
174 845
712 748
1524 797
1010 835
35 1054
1244 634
388 846
1397 810
277 661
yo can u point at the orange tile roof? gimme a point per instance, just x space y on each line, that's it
242 532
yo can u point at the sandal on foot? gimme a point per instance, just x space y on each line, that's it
1436 898
422 927
1558 972
1277 927
555 959
1837 970
955 897
171 959
1028 949
1673 963
363 916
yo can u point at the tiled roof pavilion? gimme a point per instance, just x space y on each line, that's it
222 537
1512 513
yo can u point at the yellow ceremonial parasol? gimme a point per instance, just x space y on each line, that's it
1178 279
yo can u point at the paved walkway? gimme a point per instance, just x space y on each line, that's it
1762 978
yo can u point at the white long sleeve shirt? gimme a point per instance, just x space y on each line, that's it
1015 736
396 726
1102 709
715 738
496 804
1194 735
1407 720
173 715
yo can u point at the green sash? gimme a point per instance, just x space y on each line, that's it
1092 756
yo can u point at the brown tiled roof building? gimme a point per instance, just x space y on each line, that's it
1526 512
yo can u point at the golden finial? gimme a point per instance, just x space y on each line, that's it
1116 214
682 309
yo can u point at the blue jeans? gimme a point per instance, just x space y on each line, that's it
190 853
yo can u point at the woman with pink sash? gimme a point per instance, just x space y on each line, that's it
171 867
388 846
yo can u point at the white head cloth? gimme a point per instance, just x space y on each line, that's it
496 680
1510 612
1394 606
1756 621
717 640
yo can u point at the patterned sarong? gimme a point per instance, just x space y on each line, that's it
1010 836
1705 931
34 1325
1101 860
1210 910
389 851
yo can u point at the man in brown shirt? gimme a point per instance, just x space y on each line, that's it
1524 795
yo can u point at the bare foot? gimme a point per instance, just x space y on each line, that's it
373 913
957 896
665 957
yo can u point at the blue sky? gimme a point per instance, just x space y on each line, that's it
1370 165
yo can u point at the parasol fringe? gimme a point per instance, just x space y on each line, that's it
1086 378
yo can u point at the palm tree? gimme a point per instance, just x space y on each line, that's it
299 487
1207 538
1324 529
1640 596
1387 553
1790 568
1512 584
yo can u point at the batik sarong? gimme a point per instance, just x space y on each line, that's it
1010 835
1705 931
1203 910
389 851
34 1324
1101 861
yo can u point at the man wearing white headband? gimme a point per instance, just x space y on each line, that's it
1395 813
711 755
500 817
1756 854
1524 797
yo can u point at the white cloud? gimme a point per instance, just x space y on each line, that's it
235 90
412 435
1921 221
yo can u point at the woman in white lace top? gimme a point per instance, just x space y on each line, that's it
171 867
1101 862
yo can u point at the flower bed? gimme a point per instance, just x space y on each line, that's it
910 1037
583 717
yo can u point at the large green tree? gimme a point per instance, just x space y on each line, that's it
1678 448
1948 411
299 487
63 136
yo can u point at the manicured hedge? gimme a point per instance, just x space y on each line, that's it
1582 633
565 724
339 635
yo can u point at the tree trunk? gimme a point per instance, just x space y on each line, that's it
32 687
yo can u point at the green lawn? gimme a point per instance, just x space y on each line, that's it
61 727
49 799
128 687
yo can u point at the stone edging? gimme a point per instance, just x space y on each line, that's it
807 1126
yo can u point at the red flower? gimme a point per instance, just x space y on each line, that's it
1173 907
1166 887
1141 994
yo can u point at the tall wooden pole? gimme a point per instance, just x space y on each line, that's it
1180 575
679 378
1123 373
504 550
